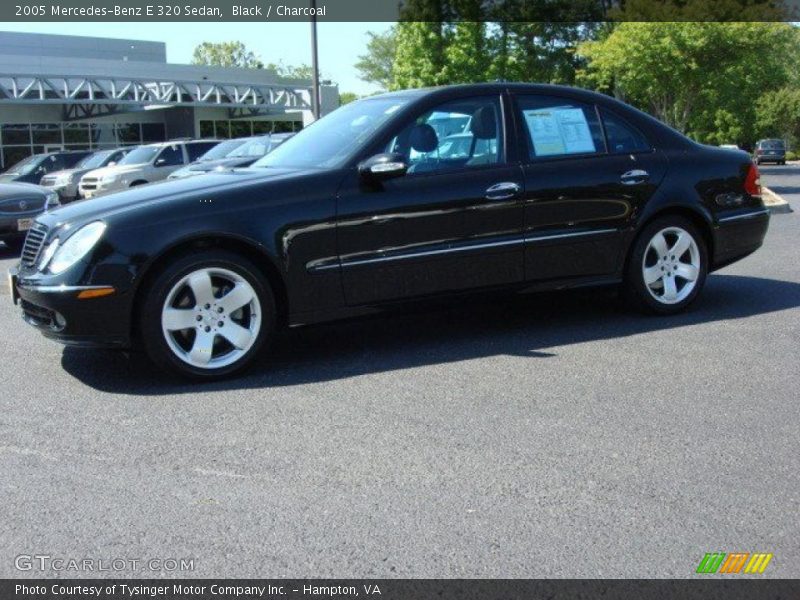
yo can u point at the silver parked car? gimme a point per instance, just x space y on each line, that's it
145 164
65 182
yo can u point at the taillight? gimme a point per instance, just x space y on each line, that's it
759 152
752 182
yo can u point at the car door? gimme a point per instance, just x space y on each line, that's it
170 158
452 222
587 174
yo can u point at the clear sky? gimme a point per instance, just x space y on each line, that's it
340 44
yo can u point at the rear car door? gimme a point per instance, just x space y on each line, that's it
587 174
453 222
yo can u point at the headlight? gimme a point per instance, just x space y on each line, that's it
76 246
51 201
108 178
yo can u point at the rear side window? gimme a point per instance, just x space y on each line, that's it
622 137
559 127
196 150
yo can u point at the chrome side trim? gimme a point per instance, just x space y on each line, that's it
559 236
311 267
57 289
394 257
749 215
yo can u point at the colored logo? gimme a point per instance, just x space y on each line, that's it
735 562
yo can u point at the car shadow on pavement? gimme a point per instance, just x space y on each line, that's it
522 325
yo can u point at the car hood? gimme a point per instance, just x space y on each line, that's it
84 211
227 163
71 172
116 169
20 190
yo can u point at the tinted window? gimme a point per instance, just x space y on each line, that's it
169 157
70 160
559 127
197 149
458 134
622 137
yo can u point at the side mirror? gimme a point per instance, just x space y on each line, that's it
160 162
383 166
112 163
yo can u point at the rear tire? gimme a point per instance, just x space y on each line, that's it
207 315
667 266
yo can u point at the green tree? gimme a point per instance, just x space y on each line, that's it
778 114
420 59
702 78
347 97
226 54
376 65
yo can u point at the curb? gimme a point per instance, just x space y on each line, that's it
775 204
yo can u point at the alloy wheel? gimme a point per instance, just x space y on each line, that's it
671 265
211 318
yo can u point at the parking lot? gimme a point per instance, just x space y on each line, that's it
533 436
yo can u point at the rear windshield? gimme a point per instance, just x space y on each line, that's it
772 144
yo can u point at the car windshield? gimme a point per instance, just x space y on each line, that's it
25 166
142 154
221 150
255 147
328 142
94 160
772 144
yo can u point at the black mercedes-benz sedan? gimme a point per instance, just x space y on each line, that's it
375 204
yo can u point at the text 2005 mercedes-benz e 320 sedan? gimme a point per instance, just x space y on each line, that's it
395 197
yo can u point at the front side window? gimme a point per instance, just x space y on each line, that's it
622 137
557 127
169 157
458 134
330 141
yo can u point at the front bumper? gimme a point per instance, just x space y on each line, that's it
738 234
9 226
59 313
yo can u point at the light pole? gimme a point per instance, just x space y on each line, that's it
315 108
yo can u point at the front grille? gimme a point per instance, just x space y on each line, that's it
89 183
33 245
21 206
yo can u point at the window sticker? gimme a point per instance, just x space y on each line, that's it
556 131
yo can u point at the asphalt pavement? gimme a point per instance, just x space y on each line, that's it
531 436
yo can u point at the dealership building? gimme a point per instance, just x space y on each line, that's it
67 92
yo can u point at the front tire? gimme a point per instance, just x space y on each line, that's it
667 266
207 315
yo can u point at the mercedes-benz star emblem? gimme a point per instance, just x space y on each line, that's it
23 204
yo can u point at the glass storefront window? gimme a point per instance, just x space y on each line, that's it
223 129
77 133
46 133
16 134
128 133
207 129
241 129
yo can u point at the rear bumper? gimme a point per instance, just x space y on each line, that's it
59 314
739 234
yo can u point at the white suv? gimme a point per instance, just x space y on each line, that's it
145 164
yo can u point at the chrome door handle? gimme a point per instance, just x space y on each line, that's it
502 191
634 177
